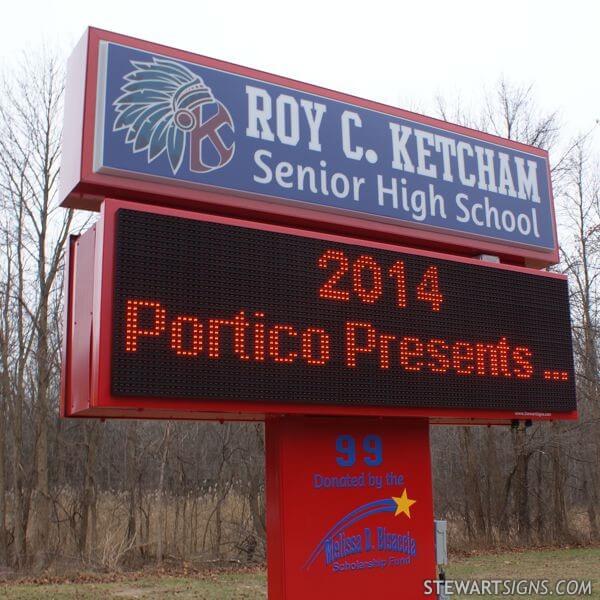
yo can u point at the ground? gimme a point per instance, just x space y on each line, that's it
573 563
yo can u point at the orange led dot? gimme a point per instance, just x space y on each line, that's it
503 350
275 343
214 335
177 329
352 346
397 271
556 375
308 350
463 358
429 289
241 324
438 352
368 264
259 338
133 331
328 291
384 350
487 359
411 348
521 356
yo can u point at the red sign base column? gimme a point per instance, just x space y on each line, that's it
349 508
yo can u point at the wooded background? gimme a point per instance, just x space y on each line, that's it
113 493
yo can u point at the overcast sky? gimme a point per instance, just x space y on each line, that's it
397 52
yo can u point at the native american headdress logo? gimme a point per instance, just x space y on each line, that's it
165 108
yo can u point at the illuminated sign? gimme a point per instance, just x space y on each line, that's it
206 310
186 123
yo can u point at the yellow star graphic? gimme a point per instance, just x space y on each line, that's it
403 504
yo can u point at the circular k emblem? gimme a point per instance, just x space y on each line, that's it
165 107
209 134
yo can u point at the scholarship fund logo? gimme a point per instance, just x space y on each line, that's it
351 546
166 109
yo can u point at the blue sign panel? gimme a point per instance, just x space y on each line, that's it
190 125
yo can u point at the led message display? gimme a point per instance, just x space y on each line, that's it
205 310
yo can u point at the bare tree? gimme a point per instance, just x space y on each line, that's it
580 254
30 129
161 492
503 506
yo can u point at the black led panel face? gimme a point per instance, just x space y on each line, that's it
211 311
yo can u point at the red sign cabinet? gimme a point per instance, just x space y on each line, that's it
350 511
